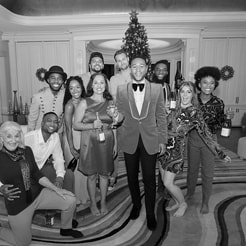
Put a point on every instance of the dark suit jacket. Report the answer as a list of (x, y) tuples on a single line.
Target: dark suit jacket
[(151, 123)]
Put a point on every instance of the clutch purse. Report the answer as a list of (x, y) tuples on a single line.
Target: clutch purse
[(72, 164)]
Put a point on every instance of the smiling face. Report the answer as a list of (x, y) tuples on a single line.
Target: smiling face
[(55, 81), (96, 64), (161, 71), (207, 85), (50, 123), (138, 69), (186, 95), (98, 84), (75, 89), (122, 61), (11, 139)]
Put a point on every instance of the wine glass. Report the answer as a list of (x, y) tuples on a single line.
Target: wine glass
[(112, 110)]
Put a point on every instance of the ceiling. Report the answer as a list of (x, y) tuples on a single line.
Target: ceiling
[(71, 16), (69, 7)]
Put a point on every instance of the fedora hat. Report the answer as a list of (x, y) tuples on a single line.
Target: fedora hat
[(55, 69)]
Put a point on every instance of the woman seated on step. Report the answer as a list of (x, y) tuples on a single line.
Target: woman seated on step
[(22, 184), (181, 121)]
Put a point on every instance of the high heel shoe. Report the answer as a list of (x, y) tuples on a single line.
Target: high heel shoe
[(111, 183)]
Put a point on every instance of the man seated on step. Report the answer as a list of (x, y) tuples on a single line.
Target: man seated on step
[(46, 147)]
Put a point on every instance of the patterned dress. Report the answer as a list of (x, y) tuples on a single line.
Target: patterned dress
[(179, 124)]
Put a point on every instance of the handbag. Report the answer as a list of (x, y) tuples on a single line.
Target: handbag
[(72, 164)]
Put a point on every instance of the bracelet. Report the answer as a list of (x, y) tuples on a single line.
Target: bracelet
[(115, 115)]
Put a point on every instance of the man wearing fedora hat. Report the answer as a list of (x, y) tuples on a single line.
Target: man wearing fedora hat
[(96, 65), (49, 99)]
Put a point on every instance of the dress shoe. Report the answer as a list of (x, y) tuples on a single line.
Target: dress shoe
[(75, 223), (111, 183), (135, 212), (151, 223), (71, 233)]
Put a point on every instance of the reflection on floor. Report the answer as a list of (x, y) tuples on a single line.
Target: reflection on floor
[(224, 225)]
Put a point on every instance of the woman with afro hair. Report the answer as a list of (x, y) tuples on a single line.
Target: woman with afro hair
[(206, 81)]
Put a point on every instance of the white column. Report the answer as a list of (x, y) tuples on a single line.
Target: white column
[(191, 53), (12, 64), (80, 57)]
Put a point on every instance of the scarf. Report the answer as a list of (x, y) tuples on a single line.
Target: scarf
[(19, 157)]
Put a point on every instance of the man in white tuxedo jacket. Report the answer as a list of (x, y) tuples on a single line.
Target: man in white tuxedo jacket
[(142, 135)]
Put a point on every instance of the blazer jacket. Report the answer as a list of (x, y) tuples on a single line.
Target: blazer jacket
[(42, 102), (151, 124)]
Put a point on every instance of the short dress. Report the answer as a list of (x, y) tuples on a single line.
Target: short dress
[(180, 122), (96, 157)]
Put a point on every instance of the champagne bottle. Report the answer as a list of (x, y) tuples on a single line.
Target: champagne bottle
[(226, 127), (100, 133), (10, 108), (26, 111), (178, 76), (21, 106), (173, 100)]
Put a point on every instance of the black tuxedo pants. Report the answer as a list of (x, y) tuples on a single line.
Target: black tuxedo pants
[(148, 165)]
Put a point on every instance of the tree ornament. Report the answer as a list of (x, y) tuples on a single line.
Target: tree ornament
[(133, 14)]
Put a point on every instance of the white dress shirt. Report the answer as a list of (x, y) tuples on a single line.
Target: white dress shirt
[(139, 96), (42, 150)]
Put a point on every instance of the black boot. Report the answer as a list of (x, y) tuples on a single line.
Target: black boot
[(135, 212)]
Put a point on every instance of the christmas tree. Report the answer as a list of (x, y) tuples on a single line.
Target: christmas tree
[(135, 41)]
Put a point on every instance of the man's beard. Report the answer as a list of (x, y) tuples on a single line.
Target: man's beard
[(55, 90), (96, 70), (159, 81), (124, 68)]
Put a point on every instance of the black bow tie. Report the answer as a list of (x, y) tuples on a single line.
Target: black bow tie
[(135, 86)]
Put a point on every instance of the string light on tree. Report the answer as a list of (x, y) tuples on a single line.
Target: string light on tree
[(135, 41)]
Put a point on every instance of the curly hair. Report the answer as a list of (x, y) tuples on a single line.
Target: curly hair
[(203, 72), (140, 56), (67, 95), (165, 62), (106, 93)]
